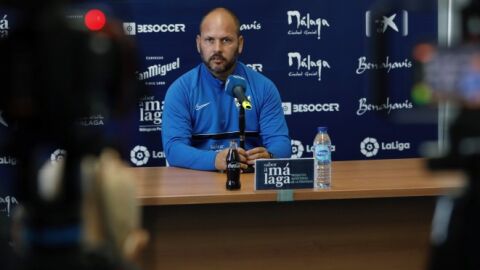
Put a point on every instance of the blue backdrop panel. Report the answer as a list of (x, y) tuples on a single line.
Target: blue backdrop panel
[(317, 53)]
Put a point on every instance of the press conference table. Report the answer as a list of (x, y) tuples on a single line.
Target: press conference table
[(377, 215)]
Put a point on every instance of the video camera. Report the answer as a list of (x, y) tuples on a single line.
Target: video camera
[(447, 86), (55, 71)]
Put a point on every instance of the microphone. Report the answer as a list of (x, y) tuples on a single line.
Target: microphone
[(235, 87)]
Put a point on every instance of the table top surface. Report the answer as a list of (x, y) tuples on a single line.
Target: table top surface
[(350, 180)]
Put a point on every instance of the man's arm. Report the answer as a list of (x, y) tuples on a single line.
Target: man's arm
[(273, 127), (177, 133)]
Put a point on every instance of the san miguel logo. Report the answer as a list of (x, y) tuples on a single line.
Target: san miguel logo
[(306, 66), (305, 24), (158, 70)]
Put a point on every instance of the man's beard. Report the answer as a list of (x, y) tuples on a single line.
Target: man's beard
[(220, 69)]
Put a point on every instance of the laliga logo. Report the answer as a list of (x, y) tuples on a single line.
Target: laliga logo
[(369, 147), (297, 149), (385, 23), (7, 160), (139, 155), (58, 155)]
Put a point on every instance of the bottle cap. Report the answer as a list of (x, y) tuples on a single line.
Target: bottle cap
[(322, 129)]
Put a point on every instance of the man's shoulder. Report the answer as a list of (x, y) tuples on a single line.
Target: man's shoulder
[(187, 81)]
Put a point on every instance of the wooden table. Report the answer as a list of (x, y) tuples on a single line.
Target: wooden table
[(376, 216)]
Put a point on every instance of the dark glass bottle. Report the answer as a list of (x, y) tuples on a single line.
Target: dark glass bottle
[(233, 167)]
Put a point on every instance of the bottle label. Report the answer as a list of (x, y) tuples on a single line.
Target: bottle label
[(322, 153), (233, 165)]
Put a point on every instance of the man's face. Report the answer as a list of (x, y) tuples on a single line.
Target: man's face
[(219, 44)]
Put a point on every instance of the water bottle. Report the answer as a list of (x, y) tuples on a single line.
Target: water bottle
[(323, 159), (233, 167)]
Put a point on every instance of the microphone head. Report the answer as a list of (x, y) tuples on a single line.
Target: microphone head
[(234, 81)]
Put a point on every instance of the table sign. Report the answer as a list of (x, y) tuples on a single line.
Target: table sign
[(287, 173)]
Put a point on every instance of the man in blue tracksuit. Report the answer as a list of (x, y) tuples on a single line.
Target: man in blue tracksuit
[(200, 118)]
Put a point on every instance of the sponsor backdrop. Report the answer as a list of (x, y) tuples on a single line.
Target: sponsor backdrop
[(316, 52)]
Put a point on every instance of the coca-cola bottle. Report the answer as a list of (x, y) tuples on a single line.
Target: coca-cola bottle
[(233, 167)]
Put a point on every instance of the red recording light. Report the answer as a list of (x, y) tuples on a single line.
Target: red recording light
[(95, 20)]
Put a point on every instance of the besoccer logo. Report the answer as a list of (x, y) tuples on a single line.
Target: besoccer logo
[(369, 147), (297, 149), (139, 155), (256, 67), (287, 108), (129, 28), (58, 155)]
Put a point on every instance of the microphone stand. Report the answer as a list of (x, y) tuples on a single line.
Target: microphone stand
[(241, 125)]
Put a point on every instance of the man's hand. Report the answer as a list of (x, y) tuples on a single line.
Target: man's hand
[(256, 153), (221, 159)]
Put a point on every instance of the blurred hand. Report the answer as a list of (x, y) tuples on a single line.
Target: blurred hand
[(221, 159), (256, 153)]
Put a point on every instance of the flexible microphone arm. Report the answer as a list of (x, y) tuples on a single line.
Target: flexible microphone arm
[(241, 126)]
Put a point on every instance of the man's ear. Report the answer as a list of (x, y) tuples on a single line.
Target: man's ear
[(198, 43), (240, 44), (135, 243)]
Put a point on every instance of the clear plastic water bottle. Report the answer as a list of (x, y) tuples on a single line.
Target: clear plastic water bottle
[(323, 159)]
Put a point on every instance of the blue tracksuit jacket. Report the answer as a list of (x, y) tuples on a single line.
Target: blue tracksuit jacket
[(199, 118)]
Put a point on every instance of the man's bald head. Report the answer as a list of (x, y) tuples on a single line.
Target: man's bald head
[(222, 13)]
